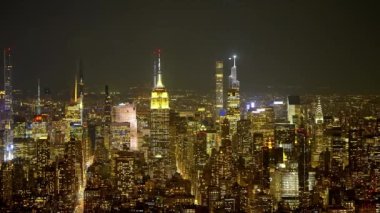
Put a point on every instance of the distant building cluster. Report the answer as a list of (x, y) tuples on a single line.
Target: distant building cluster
[(166, 150)]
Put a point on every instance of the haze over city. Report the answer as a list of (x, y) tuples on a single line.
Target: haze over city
[(310, 46)]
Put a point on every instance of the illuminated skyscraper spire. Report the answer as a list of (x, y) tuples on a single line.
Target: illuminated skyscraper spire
[(233, 99), (159, 83), (318, 112), (81, 89), (154, 68), (234, 83), (318, 145), (160, 98), (8, 121), (38, 110), (79, 86)]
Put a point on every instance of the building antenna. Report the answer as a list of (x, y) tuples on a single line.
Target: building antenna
[(154, 69), (159, 77)]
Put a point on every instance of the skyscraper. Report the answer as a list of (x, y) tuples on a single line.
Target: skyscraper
[(294, 109), (127, 113), (218, 87), (155, 59), (159, 129), (318, 112), (107, 119), (318, 145), (107, 107), (233, 99), (79, 95), (8, 101), (81, 90), (8, 70), (81, 79), (38, 104), (233, 82)]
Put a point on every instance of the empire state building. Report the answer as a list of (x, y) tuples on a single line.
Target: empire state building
[(159, 127)]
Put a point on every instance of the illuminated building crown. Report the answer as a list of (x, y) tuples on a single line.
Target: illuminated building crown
[(234, 83), (318, 112), (160, 97)]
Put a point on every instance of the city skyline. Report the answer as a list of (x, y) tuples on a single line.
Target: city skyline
[(292, 46), (188, 109)]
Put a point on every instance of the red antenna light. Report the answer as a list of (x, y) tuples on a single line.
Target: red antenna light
[(157, 52)]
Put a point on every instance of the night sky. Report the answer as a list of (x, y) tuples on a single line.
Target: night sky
[(308, 45)]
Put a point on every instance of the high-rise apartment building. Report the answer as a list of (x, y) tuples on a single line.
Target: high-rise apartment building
[(218, 87), (8, 70)]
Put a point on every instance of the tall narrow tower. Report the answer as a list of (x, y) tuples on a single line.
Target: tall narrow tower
[(75, 90), (38, 107), (81, 90), (8, 108), (318, 144), (159, 129), (8, 69), (218, 88), (233, 82), (81, 79), (107, 119), (155, 62), (107, 106), (233, 99)]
